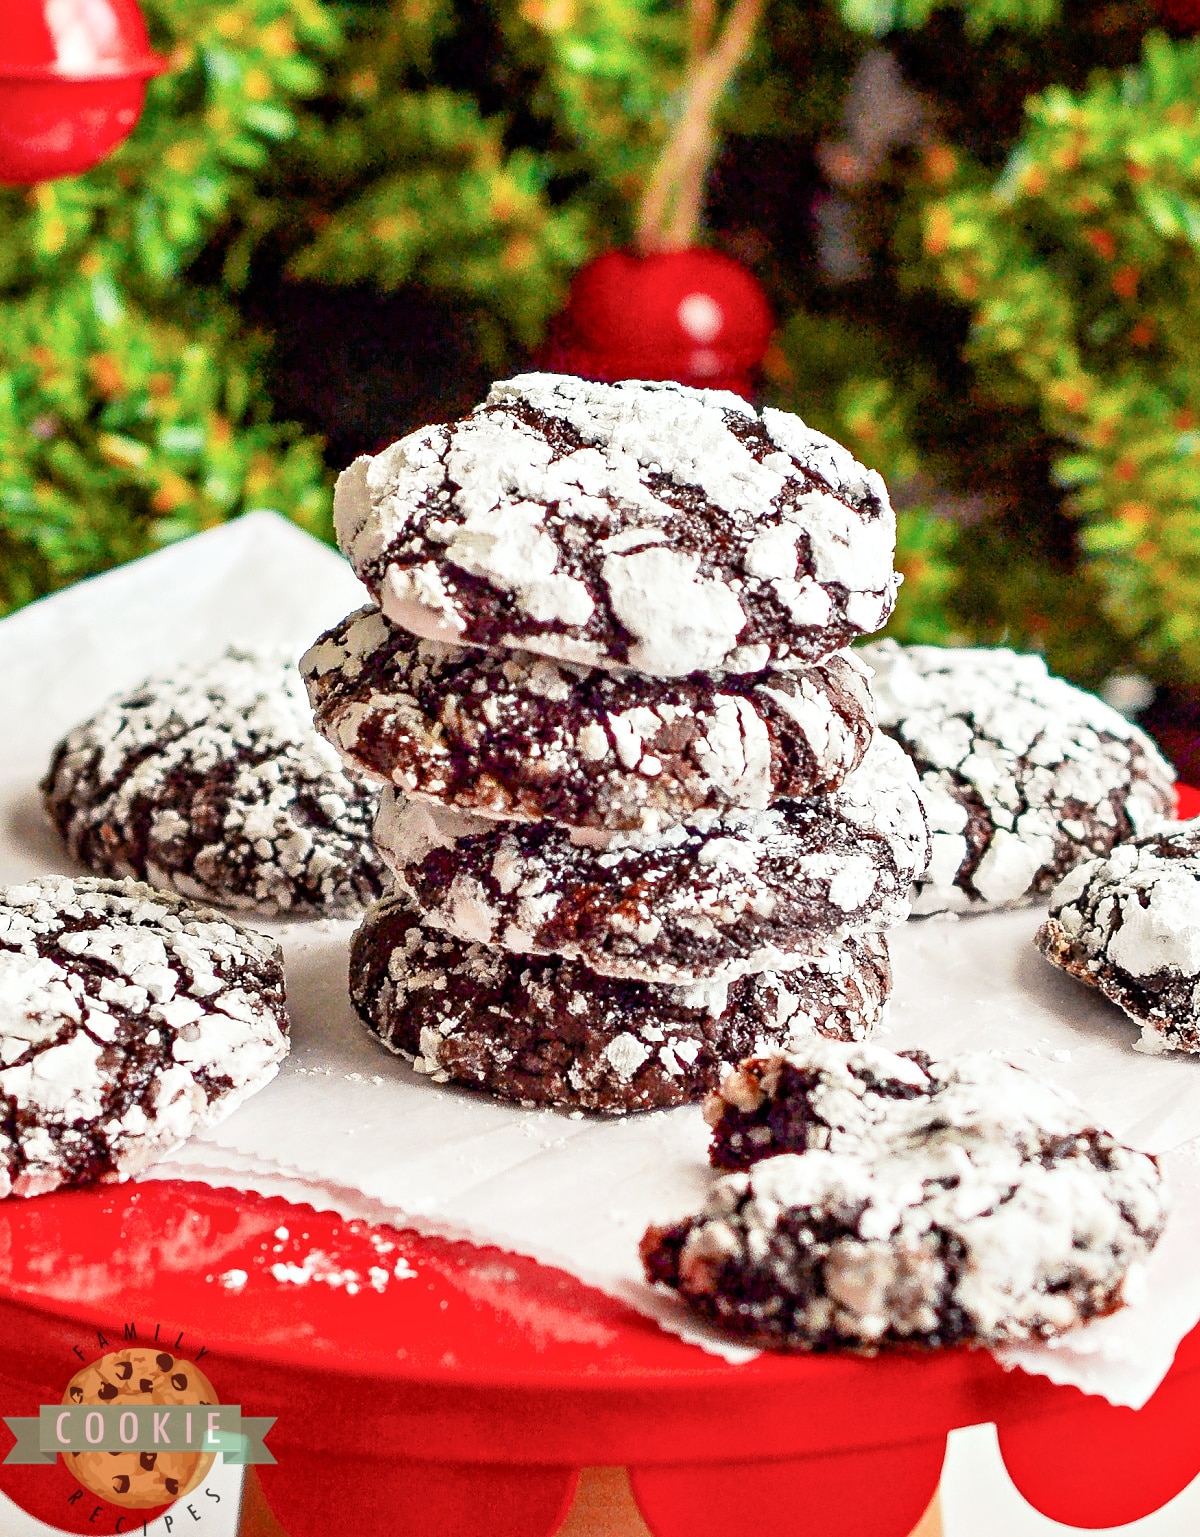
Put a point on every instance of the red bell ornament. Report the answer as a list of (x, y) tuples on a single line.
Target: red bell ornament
[(669, 308), (694, 315), (72, 82)]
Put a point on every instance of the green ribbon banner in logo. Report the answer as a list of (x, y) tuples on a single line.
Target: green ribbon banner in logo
[(139, 1428)]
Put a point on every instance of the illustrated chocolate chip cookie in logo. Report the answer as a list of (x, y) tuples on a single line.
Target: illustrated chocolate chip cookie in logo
[(140, 1480)]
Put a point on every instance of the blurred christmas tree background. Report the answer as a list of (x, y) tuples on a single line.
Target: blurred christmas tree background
[(978, 224)]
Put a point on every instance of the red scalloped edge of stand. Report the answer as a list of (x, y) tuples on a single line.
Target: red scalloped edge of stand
[(1092, 1464)]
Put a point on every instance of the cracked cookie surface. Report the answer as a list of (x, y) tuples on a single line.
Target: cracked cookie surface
[(547, 1031), (653, 526), (753, 892), (1023, 776), (129, 1019), (884, 1200), (511, 735), (212, 782), (1129, 926)]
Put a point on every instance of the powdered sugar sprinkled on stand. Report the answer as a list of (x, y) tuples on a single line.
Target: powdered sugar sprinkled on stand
[(302, 1264)]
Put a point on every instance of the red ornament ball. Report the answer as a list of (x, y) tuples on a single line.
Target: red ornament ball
[(72, 82), (695, 316)]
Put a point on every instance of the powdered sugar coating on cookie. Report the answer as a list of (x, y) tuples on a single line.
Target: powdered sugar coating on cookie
[(1022, 775), (547, 1031), (1129, 925), (919, 1203), (748, 893), (665, 529), (516, 736), (129, 1019), (213, 783)]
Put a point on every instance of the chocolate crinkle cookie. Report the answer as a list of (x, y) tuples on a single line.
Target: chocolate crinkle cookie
[(1129, 925), (513, 735), (1023, 776), (907, 1203), (213, 783), (129, 1019), (753, 892), (651, 526), (546, 1031)]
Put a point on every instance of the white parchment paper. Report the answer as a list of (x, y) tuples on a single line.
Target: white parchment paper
[(349, 1128)]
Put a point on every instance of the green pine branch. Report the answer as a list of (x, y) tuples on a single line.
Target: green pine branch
[(238, 71), (835, 376), (121, 430), (450, 208), (981, 17), (1081, 268)]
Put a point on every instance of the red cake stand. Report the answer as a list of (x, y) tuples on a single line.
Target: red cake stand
[(463, 1400), (437, 1389)]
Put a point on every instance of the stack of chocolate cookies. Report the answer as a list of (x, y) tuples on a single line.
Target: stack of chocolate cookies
[(639, 816)]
